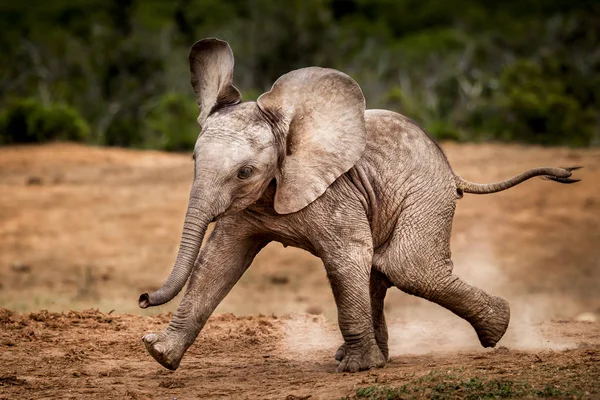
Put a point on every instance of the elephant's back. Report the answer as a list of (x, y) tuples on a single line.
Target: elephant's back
[(394, 138)]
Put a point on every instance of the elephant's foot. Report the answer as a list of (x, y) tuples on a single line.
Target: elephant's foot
[(493, 322), (360, 358), (383, 346), (164, 350)]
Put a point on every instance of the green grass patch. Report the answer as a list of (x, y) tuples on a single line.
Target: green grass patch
[(441, 385)]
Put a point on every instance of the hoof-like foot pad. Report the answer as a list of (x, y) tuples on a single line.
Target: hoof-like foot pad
[(493, 324), (341, 352), (354, 360), (160, 350)]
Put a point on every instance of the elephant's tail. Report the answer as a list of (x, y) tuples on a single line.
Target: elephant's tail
[(561, 175)]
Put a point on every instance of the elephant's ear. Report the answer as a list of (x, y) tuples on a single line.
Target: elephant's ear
[(211, 66), (319, 116)]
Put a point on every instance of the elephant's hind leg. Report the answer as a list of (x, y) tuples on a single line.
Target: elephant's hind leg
[(378, 287), (417, 261), (489, 315)]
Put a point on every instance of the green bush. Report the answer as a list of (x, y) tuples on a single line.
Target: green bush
[(124, 130), (534, 104), (171, 125), (28, 121)]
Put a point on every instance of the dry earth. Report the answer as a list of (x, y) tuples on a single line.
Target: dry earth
[(90, 355), (84, 227)]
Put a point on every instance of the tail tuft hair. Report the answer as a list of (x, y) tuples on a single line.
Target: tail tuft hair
[(566, 180)]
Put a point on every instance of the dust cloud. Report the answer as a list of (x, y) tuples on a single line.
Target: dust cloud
[(422, 327), (304, 337), (417, 326)]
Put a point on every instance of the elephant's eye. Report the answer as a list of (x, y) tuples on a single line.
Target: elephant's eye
[(245, 172)]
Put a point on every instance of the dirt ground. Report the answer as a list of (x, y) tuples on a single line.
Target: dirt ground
[(84, 227), (90, 355)]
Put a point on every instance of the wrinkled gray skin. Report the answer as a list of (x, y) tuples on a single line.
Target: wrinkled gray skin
[(366, 191)]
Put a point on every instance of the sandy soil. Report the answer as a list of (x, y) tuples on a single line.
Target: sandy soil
[(97, 356), (85, 227)]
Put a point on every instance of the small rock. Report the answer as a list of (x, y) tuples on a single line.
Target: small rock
[(34, 180), (20, 267), (314, 310), (587, 317)]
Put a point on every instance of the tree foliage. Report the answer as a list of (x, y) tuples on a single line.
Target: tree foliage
[(526, 70)]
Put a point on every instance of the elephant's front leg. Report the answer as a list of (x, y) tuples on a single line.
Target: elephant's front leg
[(378, 288), (349, 277), (226, 255)]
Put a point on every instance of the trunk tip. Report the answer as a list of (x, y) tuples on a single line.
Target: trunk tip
[(144, 301)]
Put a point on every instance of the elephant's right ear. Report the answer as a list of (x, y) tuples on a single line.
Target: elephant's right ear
[(211, 66)]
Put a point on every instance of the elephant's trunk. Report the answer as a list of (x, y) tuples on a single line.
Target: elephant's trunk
[(194, 228)]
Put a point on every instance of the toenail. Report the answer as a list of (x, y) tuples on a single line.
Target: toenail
[(159, 349), (150, 338)]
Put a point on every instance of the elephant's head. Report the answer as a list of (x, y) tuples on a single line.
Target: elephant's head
[(305, 132)]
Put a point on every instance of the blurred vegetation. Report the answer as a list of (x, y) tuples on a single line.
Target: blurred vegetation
[(114, 72), (27, 121)]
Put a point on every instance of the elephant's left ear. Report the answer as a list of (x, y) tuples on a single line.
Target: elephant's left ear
[(319, 116), (211, 67)]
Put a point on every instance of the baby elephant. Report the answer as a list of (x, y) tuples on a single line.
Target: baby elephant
[(306, 165)]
